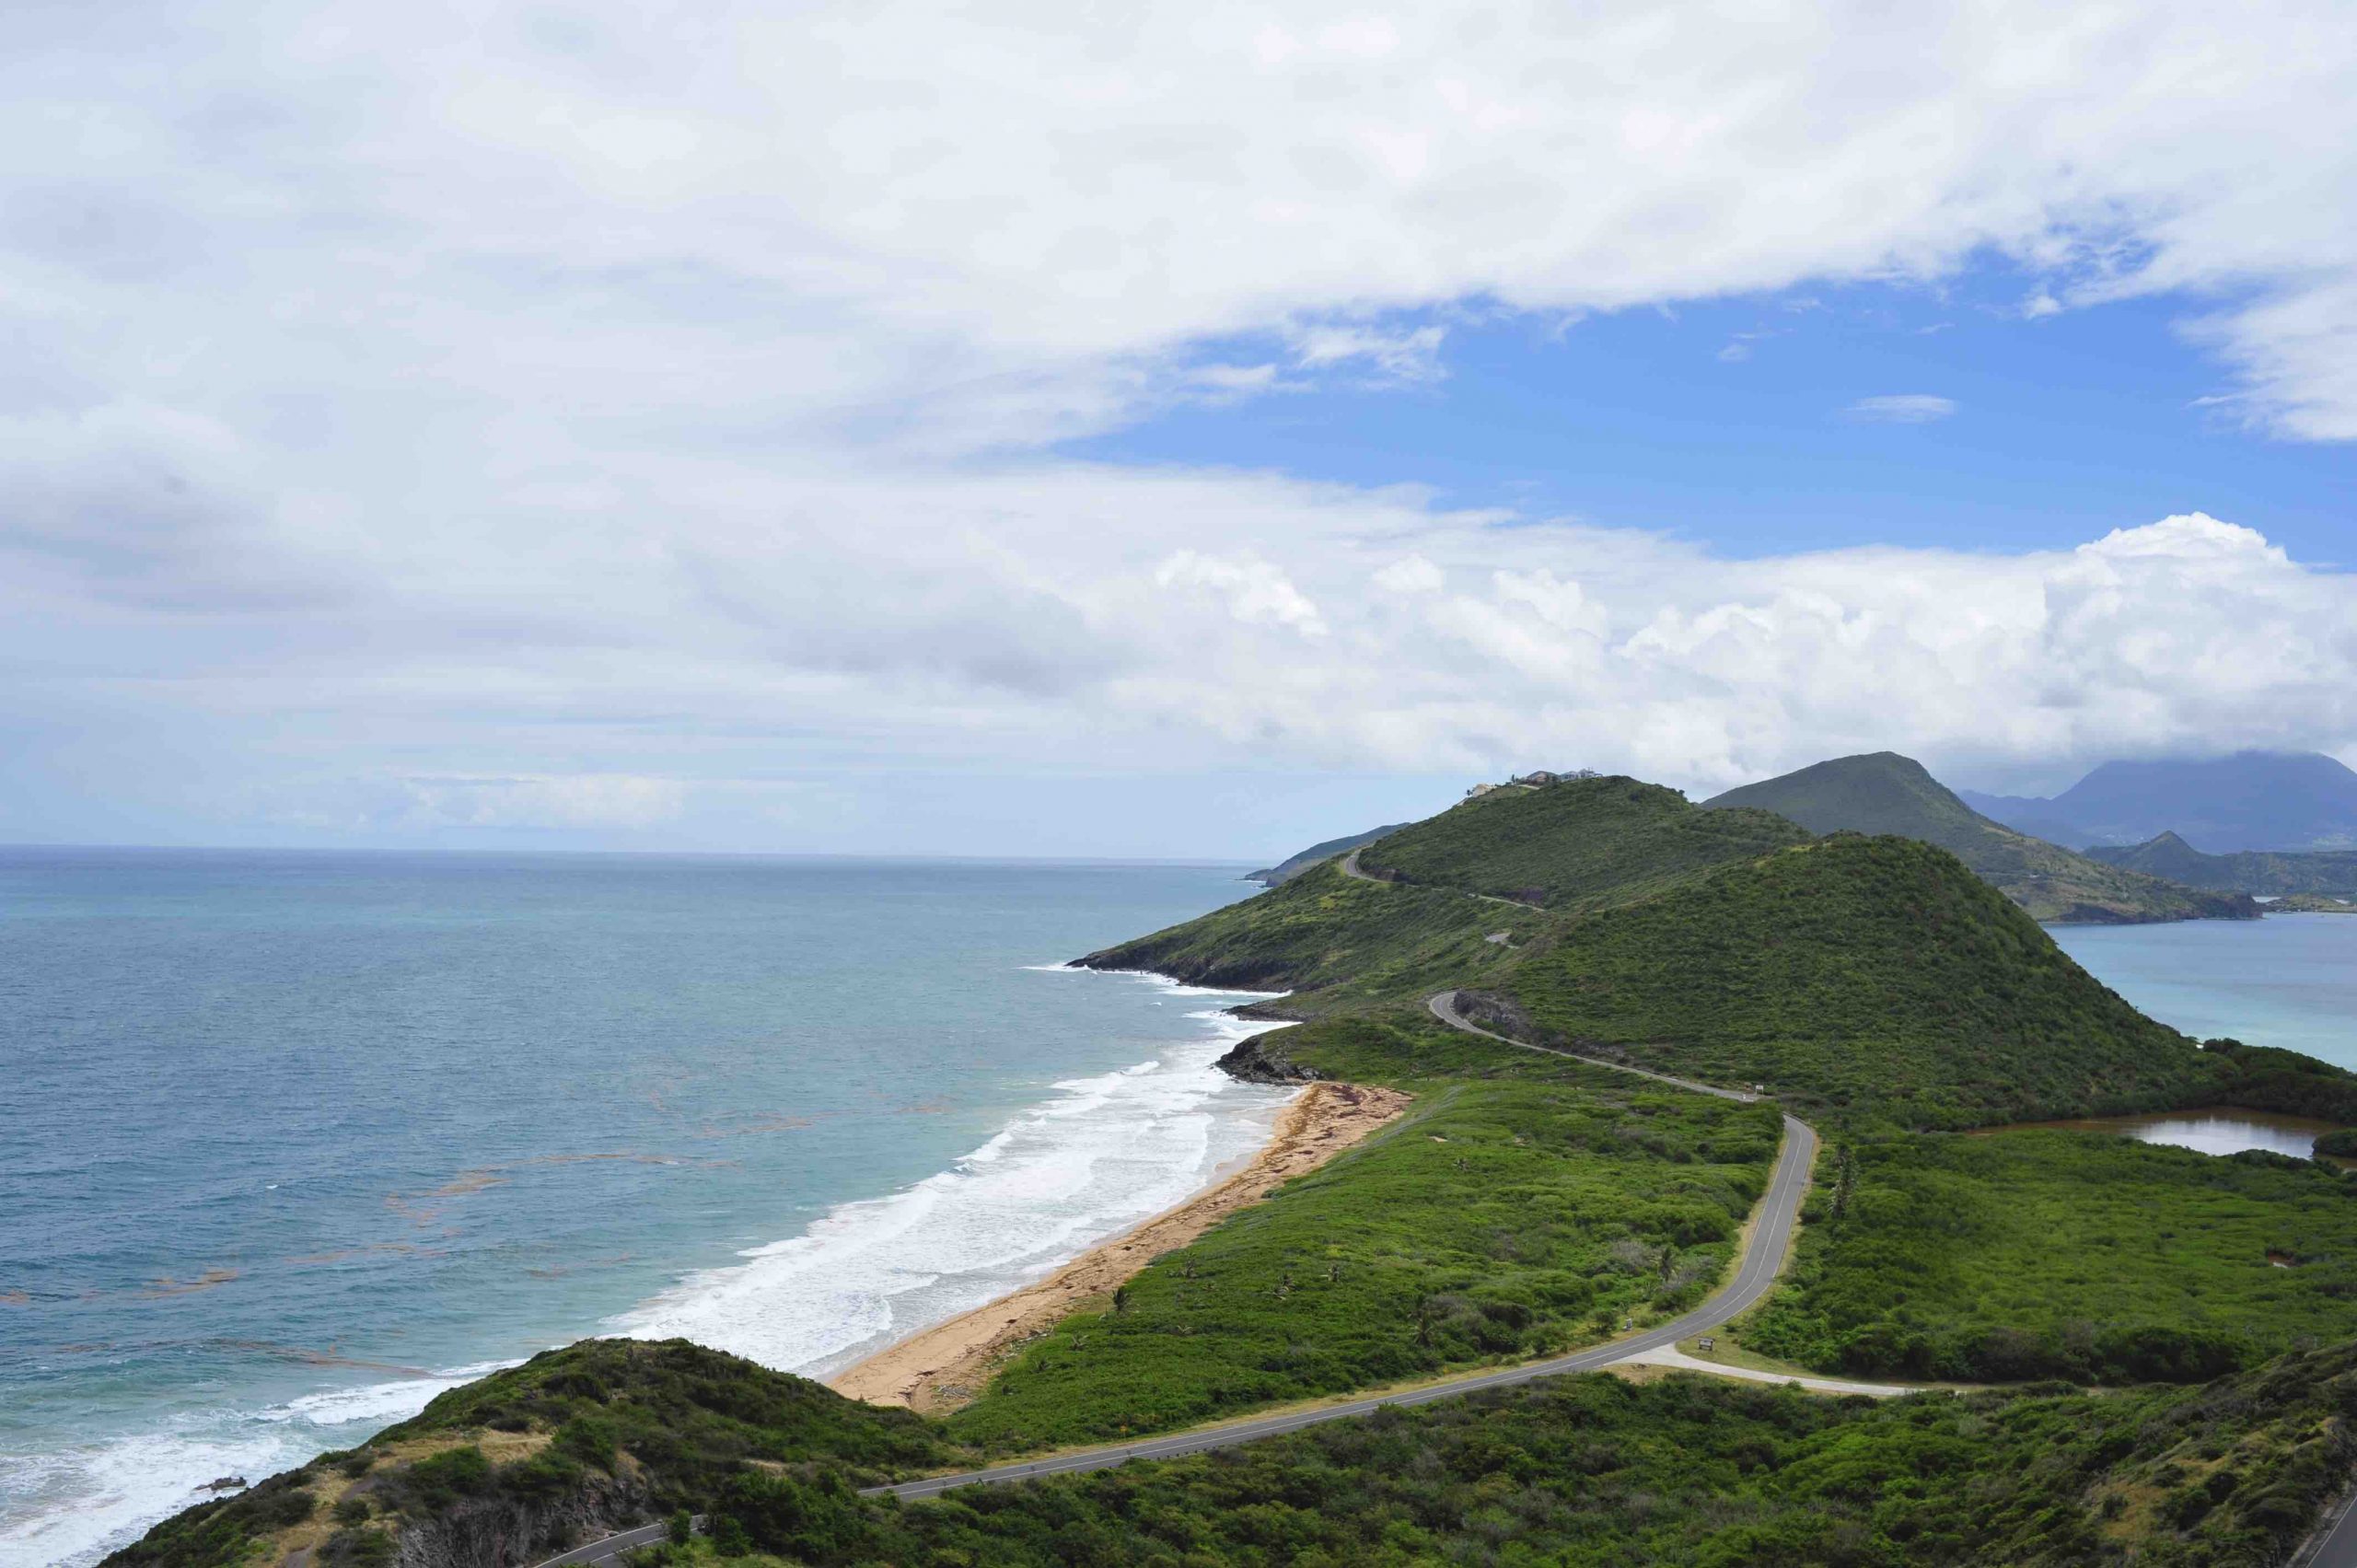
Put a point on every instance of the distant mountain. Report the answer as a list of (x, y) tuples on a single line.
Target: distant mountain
[(2247, 871), (2263, 800), (1287, 870), (1885, 793)]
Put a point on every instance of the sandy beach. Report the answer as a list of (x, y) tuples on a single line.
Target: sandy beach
[(941, 1367)]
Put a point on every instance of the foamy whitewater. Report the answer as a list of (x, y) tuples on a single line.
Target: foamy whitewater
[(1109, 1152), (357, 1130)]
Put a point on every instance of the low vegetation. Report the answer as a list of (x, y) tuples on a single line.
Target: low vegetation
[(2267, 1077), (1584, 844), (1496, 1221), (2083, 1256)]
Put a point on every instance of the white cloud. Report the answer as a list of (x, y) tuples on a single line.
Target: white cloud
[(1901, 408), (593, 397), (575, 801)]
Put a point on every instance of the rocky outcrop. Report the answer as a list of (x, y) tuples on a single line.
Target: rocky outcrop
[(1503, 1015), (511, 1531), (1261, 1060)]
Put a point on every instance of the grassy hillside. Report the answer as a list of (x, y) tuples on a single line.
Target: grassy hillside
[(1292, 866), (1495, 1222), (1875, 975), (2053, 1254), (604, 1433), (1579, 844), (1885, 793), (1337, 940), (2247, 871)]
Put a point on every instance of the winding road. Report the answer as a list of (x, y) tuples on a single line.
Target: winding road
[(1350, 867), (1763, 1261)]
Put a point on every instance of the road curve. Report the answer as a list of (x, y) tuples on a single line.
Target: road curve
[(2336, 1545), (1350, 867), (612, 1546), (1444, 1006), (1762, 1261)]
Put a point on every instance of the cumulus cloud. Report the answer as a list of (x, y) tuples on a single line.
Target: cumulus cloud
[(528, 397), (1901, 408)]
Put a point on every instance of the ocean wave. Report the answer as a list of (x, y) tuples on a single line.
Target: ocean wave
[(1108, 1152), (71, 1506)]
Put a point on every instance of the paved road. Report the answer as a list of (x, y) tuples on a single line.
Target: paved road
[(1444, 1006), (1763, 1261), (2336, 1546), (1350, 867), (611, 1547)]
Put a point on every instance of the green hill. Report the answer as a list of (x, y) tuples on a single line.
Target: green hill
[(2245, 871), (1331, 940), (513, 1467), (1885, 793), (1288, 869), (1875, 974), (1335, 940), (1578, 844)]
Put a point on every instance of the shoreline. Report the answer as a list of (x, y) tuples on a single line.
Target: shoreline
[(945, 1366)]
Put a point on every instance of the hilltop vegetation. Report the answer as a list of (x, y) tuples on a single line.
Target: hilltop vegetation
[(1579, 844), (2247, 871), (1885, 793), (1293, 866), (604, 1432), (2056, 1254), (1871, 975), (1495, 1222), (1334, 941)]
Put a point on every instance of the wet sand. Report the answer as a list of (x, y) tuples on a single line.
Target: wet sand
[(944, 1366)]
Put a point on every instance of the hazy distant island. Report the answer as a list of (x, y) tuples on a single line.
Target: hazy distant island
[(2252, 800), (2249, 871), (1627, 1044)]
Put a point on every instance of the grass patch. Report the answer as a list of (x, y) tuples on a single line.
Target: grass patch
[(2051, 1254), (1495, 1221)]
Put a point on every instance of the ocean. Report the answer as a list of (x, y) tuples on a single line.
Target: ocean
[(292, 1142), (2289, 980)]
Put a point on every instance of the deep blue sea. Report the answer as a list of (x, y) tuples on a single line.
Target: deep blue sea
[(290, 1141)]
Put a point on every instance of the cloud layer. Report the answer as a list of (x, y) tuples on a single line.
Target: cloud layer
[(417, 416)]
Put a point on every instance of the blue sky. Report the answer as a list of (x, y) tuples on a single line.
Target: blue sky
[(1728, 421), (1162, 431)]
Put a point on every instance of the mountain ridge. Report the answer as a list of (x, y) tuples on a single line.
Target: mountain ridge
[(1883, 791), (2251, 800)]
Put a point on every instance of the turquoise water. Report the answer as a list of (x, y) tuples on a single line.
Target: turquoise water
[(2289, 980), (292, 1142)]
